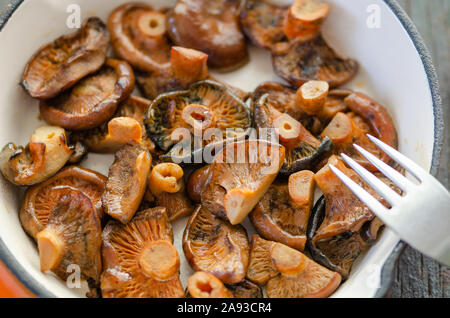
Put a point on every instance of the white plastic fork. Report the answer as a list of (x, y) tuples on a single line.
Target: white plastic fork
[(421, 216)]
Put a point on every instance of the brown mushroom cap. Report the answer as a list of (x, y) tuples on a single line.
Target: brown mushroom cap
[(206, 285), (296, 66), (138, 35), (139, 260), (239, 176), (214, 246), (72, 236), (40, 199), (127, 182), (46, 153), (246, 289), (127, 124), (263, 23), (93, 100), (282, 217), (210, 26), (59, 65)]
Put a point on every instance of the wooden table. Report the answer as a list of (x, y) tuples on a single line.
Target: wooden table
[(415, 274)]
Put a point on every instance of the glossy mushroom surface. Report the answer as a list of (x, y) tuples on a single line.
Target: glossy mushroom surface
[(303, 61), (282, 214), (205, 285), (127, 182), (93, 100), (60, 64), (139, 259), (139, 36), (239, 177), (210, 26), (127, 124), (39, 199), (215, 246), (207, 105), (72, 236), (303, 150), (46, 153)]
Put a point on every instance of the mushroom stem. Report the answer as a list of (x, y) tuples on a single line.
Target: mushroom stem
[(124, 129), (189, 65), (301, 187), (288, 130), (51, 249), (288, 261), (238, 203), (340, 129), (153, 23), (159, 260), (312, 96), (205, 285), (305, 18), (166, 177), (198, 117)]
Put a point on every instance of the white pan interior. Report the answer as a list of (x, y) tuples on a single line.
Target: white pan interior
[(391, 72)]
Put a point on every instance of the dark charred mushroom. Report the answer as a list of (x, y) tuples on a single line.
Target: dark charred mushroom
[(59, 65), (210, 26), (303, 150), (93, 100), (214, 246), (246, 289), (206, 285), (72, 236), (167, 186), (282, 214), (127, 182), (303, 61), (206, 105), (46, 153), (40, 199), (80, 152), (126, 125), (139, 259), (288, 273), (138, 35), (239, 177), (263, 23), (367, 117)]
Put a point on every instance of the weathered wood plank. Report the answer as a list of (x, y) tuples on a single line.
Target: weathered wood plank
[(416, 275)]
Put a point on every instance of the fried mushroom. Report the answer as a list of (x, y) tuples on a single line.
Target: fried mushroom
[(93, 100), (245, 289), (282, 214), (210, 26), (207, 104), (72, 236), (127, 182), (304, 61), (287, 273), (139, 259), (126, 125), (139, 36), (46, 153), (60, 64), (303, 150), (304, 19), (263, 23), (206, 285), (40, 199), (166, 183), (196, 183), (215, 246), (239, 177)]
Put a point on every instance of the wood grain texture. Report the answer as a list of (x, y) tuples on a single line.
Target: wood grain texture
[(415, 274)]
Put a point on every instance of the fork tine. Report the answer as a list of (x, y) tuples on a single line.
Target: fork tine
[(379, 186), (396, 177), (374, 205), (402, 160)]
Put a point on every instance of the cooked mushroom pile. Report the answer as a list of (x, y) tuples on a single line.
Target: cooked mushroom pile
[(281, 139)]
